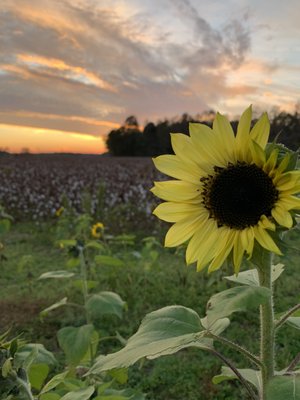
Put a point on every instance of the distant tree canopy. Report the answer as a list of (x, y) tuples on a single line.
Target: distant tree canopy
[(155, 139)]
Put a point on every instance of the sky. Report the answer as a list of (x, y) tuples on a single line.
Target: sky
[(73, 70)]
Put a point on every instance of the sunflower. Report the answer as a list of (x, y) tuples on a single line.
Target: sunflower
[(229, 192), (97, 230), (59, 211)]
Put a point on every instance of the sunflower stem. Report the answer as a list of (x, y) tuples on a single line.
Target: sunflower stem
[(267, 338), (251, 357), (229, 364), (84, 280), (285, 316)]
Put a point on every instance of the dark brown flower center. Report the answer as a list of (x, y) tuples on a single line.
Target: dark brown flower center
[(237, 196)]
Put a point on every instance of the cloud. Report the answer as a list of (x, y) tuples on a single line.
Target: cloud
[(66, 64)]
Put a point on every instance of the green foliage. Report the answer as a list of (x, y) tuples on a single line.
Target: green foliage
[(284, 387), (162, 332), (251, 375), (147, 282), (4, 226), (102, 303), (108, 260), (240, 298), (37, 375), (250, 277), (75, 342), (81, 394), (62, 274)]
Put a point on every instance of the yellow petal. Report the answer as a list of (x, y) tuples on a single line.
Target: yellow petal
[(290, 202), (242, 136), (282, 217), (238, 252), (258, 154), (224, 131), (217, 240), (265, 240), (294, 190), (271, 162), (182, 231), (287, 181), (250, 241), (183, 148), (173, 166), (202, 241), (283, 164), (226, 247), (261, 130), (206, 143), (266, 223), (177, 191), (174, 212)]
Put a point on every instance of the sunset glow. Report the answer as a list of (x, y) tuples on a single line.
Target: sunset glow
[(48, 141), (71, 71)]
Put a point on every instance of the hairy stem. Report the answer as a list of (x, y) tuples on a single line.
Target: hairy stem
[(247, 386), (285, 316), (267, 339), (26, 386), (293, 364), (84, 280), (238, 348)]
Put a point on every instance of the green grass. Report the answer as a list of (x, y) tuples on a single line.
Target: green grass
[(145, 286)]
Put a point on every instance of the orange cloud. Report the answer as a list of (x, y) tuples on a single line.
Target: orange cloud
[(86, 120), (55, 122), (72, 72), (45, 16)]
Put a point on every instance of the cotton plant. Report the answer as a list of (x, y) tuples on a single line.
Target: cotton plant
[(232, 196)]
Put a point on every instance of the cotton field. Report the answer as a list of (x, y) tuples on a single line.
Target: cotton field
[(34, 187)]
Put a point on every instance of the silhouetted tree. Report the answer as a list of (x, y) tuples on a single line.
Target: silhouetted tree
[(127, 140), (155, 139)]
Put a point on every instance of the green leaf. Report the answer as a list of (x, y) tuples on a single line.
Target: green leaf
[(68, 243), (216, 327), (284, 387), (294, 322), (75, 342), (71, 384), (4, 226), (62, 274), (82, 394), (250, 375), (125, 394), (94, 245), (92, 349), (7, 367), (239, 298), (277, 270), (37, 375), (55, 381), (73, 263), (108, 260), (78, 283), (101, 388), (58, 304), (13, 347), (50, 396), (250, 277), (43, 356), (161, 332), (105, 303), (120, 374), (30, 359)]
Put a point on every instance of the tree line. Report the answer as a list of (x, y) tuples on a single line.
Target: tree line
[(154, 139)]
